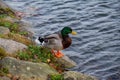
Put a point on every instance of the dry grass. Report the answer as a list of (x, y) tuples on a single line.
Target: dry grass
[(18, 38)]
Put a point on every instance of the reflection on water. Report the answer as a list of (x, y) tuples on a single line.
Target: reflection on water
[(96, 48)]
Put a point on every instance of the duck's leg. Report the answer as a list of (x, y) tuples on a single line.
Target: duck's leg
[(53, 52), (59, 54)]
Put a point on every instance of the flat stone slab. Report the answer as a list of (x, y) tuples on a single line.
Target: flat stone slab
[(67, 62), (4, 30), (11, 46), (73, 75), (27, 70)]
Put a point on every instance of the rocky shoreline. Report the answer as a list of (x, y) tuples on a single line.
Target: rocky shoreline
[(19, 61)]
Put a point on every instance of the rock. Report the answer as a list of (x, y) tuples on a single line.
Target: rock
[(3, 5), (4, 78), (66, 61), (26, 27), (25, 70), (7, 9), (11, 46), (4, 30), (72, 75), (8, 18)]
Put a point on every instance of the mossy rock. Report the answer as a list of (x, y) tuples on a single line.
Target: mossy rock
[(27, 70), (5, 9), (13, 27)]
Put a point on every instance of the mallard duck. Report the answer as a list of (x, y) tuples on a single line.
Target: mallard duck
[(57, 41)]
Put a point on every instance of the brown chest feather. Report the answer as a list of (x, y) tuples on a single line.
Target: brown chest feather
[(66, 42)]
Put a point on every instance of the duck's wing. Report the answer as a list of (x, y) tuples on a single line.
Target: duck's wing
[(52, 36), (54, 41)]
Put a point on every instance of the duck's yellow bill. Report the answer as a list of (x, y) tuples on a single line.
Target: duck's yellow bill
[(74, 33)]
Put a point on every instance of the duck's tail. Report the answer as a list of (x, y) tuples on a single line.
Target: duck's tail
[(39, 40)]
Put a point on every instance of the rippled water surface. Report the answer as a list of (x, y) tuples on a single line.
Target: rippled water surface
[(96, 48)]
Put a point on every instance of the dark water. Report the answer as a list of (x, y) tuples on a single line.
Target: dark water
[(96, 48)]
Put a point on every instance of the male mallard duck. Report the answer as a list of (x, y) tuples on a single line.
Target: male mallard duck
[(58, 41)]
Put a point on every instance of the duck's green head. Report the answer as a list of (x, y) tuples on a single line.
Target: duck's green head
[(67, 30)]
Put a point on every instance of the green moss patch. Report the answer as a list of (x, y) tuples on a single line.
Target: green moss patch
[(2, 53), (56, 77), (3, 16), (7, 11), (3, 70), (36, 54), (13, 27)]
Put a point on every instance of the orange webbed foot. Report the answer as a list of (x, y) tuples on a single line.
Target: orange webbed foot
[(59, 54)]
